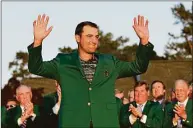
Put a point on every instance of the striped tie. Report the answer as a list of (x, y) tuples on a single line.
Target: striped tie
[(139, 108), (179, 123), (23, 125)]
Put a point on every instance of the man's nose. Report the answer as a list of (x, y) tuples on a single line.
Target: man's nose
[(94, 40)]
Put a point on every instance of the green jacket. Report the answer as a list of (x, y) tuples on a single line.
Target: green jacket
[(188, 122), (152, 110), (15, 113), (168, 114), (82, 102), (3, 116)]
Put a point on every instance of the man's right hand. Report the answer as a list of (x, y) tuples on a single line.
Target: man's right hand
[(40, 29)]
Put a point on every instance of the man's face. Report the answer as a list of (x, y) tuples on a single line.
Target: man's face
[(141, 94), (157, 90), (89, 39), (11, 104), (181, 91), (24, 95)]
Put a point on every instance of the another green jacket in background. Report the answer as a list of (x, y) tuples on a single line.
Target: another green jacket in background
[(3, 116), (189, 111), (152, 110), (83, 102), (15, 113)]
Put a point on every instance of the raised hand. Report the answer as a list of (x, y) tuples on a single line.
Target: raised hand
[(141, 28), (134, 111), (40, 29), (180, 111), (28, 111)]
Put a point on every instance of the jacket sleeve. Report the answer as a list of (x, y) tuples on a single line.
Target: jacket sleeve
[(168, 115), (127, 69), (37, 66), (124, 117), (188, 122)]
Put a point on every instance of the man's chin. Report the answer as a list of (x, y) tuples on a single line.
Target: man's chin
[(91, 51)]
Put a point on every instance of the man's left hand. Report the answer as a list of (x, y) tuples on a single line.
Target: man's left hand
[(180, 110), (141, 28)]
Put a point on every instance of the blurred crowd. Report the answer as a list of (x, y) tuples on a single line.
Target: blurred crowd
[(145, 106)]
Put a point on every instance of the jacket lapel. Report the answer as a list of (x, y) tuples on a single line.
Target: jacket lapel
[(75, 56), (146, 108), (189, 106), (103, 70), (18, 112)]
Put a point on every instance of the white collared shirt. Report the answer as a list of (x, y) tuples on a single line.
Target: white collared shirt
[(160, 101), (184, 103), (143, 119), (143, 105)]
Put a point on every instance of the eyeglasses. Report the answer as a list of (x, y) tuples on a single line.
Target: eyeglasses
[(10, 106)]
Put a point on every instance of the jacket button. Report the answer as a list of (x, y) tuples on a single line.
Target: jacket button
[(88, 103), (90, 89)]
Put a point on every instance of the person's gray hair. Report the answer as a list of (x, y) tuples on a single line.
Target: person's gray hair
[(22, 85), (181, 81)]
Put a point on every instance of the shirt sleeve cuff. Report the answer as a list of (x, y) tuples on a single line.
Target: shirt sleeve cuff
[(56, 109), (33, 116), (174, 123), (143, 119), (132, 119), (19, 121)]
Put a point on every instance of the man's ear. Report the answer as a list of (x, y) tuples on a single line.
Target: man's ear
[(17, 98), (148, 93), (77, 37)]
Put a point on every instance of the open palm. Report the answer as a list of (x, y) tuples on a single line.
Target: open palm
[(40, 28), (141, 28)]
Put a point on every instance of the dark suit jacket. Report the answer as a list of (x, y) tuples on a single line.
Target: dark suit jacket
[(15, 113), (3, 116), (50, 119), (152, 110), (79, 104)]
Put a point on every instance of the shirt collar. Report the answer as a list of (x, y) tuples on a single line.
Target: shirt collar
[(160, 101), (143, 105), (22, 108), (184, 103)]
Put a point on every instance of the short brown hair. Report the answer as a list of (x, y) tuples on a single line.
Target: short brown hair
[(158, 81), (141, 83)]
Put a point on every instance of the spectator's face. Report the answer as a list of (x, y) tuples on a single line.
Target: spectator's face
[(141, 94), (11, 104), (131, 96), (24, 95), (89, 40), (181, 91), (190, 88), (157, 90)]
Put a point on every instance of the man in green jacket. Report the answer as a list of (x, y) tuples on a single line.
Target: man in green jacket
[(24, 115), (182, 109), (141, 113), (87, 78), (158, 89)]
